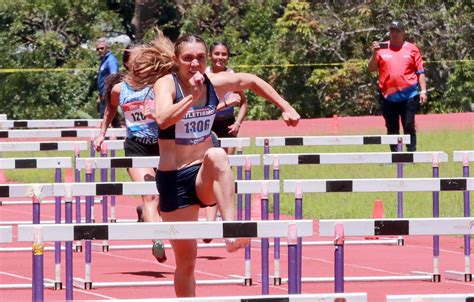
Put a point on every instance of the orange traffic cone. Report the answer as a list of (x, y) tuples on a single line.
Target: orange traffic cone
[(377, 213)]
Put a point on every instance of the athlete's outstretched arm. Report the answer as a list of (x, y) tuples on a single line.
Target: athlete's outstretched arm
[(226, 81)]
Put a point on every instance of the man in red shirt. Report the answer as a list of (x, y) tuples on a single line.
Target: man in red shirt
[(402, 81)]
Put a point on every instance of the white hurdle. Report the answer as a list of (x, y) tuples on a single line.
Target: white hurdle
[(299, 187), (43, 146), (3, 116), (465, 157), (61, 133), (399, 226), (147, 162), (35, 163), (70, 123), (276, 160), (333, 140), (125, 188), (431, 298), (352, 297), (166, 230)]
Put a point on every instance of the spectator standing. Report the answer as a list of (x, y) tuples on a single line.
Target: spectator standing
[(402, 82), (108, 65)]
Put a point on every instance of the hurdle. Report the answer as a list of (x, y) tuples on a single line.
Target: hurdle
[(352, 297), (56, 163), (43, 146), (3, 116), (105, 163), (267, 142), (371, 227), (465, 157), (298, 187), (276, 160), (69, 123), (431, 298), (60, 133), (125, 188), (166, 230)]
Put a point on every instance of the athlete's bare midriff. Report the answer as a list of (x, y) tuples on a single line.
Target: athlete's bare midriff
[(176, 157)]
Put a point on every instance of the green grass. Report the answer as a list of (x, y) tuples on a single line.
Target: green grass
[(335, 205)]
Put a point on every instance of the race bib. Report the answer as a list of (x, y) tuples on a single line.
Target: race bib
[(133, 112), (195, 127)]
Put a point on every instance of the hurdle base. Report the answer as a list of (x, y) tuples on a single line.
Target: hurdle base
[(81, 283), (458, 276), (276, 280), (58, 285), (434, 277), (113, 220), (78, 248), (100, 247), (400, 241)]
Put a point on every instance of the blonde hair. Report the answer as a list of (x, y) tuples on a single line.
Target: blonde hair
[(151, 62)]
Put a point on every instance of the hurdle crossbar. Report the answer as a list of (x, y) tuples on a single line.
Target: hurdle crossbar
[(399, 226), (354, 158), (431, 298), (379, 185), (349, 297), (460, 156), (119, 188), (35, 163), (151, 161), (93, 123), (43, 146), (332, 140), (166, 230), (60, 133)]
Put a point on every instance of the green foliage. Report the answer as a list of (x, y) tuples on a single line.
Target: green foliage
[(313, 52)]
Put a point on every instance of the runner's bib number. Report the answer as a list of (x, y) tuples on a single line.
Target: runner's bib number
[(195, 127)]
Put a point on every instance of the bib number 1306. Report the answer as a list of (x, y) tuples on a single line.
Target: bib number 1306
[(197, 126)]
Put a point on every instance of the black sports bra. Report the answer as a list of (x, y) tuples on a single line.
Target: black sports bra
[(195, 126)]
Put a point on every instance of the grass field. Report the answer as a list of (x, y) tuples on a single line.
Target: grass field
[(334, 205)]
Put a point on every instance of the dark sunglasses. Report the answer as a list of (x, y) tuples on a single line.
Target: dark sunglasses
[(100, 48)]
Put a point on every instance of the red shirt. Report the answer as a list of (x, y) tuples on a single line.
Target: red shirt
[(398, 71)]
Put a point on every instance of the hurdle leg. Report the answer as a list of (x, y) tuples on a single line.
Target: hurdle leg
[(239, 196), (92, 180), (113, 217), (69, 259), (299, 246), (36, 294), (436, 273), (103, 178), (276, 216), (248, 214), (339, 259), (265, 245), (38, 268), (57, 245), (77, 178), (400, 175), (292, 255)]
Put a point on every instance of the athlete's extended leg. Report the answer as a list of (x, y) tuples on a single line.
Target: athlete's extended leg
[(215, 182)]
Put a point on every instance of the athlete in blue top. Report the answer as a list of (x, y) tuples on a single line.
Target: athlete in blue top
[(191, 172), (136, 98)]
